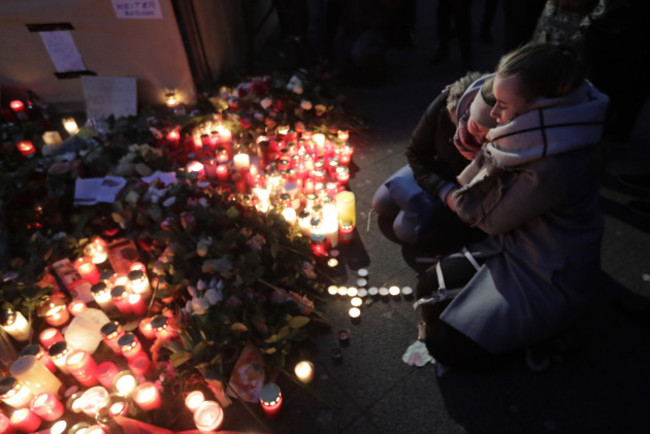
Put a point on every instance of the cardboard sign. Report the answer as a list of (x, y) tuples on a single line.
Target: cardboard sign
[(107, 96)]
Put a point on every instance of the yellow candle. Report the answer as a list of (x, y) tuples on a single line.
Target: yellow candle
[(52, 138), (345, 207), (14, 323), (35, 375), (70, 125), (304, 371), (15, 393), (241, 161)]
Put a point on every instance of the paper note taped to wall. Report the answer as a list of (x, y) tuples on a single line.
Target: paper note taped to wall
[(137, 9), (107, 96), (62, 50)]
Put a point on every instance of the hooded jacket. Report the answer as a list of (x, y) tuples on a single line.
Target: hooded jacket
[(534, 189)]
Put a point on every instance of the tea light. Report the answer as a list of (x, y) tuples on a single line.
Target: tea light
[(14, 393), (355, 314), (194, 399), (352, 291), (146, 329), (125, 383), (356, 301), (55, 311), (383, 291), (50, 336), (59, 352), (119, 406), (363, 292), (111, 333), (93, 399), (106, 373), (102, 295), (362, 272), (394, 291), (137, 304), (129, 345), (40, 354), (76, 307), (120, 298), (30, 372), (87, 269), (147, 396), (332, 289), (161, 327), (373, 291), (74, 402), (407, 292), (208, 416), (58, 427), (14, 323), (70, 125), (271, 400), (47, 406), (26, 148), (82, 367), (361, 282), (96, 250), (25, 420), (342, 291), (304, 370), (332, 262)]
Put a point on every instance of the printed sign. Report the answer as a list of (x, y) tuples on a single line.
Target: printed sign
[(137, 9), (62, 50), (107, 96)]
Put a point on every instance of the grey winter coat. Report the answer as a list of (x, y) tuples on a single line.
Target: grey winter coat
[(534, 190)]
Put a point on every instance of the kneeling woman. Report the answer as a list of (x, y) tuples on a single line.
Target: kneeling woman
[(533, 189)]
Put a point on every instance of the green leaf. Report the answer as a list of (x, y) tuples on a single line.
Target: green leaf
[(180, 357), (298, 321), (174, 347), (232, 213)]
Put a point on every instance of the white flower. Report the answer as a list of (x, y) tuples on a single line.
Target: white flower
[(213, 296), (305, 105), (188, 306), (200, 305)]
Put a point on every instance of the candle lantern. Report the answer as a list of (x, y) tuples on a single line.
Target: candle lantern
[(50, 336), (76, 307), (140, 365), (70, 125), (137, 304), (55, 311), (25, 420), (161, 327), (15, 324), (93, 399), (47, 406), (346, 232), (102, 295), (345, 206), (29, 371), (139, 283), (147, 396), (125, 383), (222, 172), (59, 352), (208, 416), (120, 298), (96, 250), (271, 399), (87, 269), (14, 393), (26, 148), (111, 333), (40, 354), (106, 372), (146, 330), (304, 370), (130, 346), (82, 367), (194, 399), (18, 107), (173, 137)]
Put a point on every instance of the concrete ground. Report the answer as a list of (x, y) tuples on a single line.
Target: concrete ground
[(601, 387)]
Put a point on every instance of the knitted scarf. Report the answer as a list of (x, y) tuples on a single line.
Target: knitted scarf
[(464, 142)]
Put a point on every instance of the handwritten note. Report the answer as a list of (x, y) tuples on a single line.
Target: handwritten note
[(62, 50), (137, 9), (107, 96)]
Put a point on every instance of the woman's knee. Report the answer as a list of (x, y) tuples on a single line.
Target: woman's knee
[(383, 204)]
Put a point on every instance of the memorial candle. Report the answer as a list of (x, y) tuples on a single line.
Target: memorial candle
[(129, 345), (271, 400), (137, 304), (15, 324), (102, 295), (58, 352), (106, 373), (82, 367), (96, 250), (55, 311), (93, 399), (111, 333), (14, 393), (173, 137), (26, 148), (241, 161), (18, 107), (125, 384), (120, 298), (76, 307), (50, 336), (25, 420), (52, 138), (87, 269), (161, 327), (40, 354), (70, 125), (5, 425), (194, 399), (222, 172), (47, 406), (140, 365), (345, 206), (147, 396), (304, 370), (146, 329), (208, 416), (29, 371), (139, 283)]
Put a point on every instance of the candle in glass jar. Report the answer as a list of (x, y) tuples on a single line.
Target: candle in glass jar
[(50, 336), (26, 148), (208, 416), (14, 393), (137, 304), (55, 311), (15, 324), (161, 327), (93, 399), (194, 399), (96, 250), (76, 307), (140, 365), (345, 206), (129, 345), (58, 352), (47, 406), (106, 373), (18, 107), (139, 283), (146, 329), (29, 371), (119, 406), (70, 125), (125, 383), (222, 172), (52, 138), (25, 420), (102, 295), (87, 269), (147, 396), (304, 370), (173, 137), (111, 333), (82, 367), (271, 400), (241, 161), (346, 232), (120, 298), (40, 354)]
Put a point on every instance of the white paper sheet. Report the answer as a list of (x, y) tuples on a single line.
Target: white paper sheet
[(89, 191), (62, 50), (107, 96), (137, 9)]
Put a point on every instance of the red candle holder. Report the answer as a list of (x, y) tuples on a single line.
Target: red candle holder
[(173, 137), (145, 328), (223, 173), (51, 336), (271, 400), (82, 367), (47, 407), (87, 269), (346, 232), (26, 148), (137, 303), (130, 346), (120, 298), (25, 420), (106, 373), (40, 354), (147, 396), (111, 333)]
